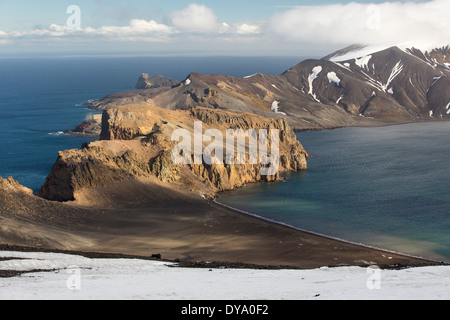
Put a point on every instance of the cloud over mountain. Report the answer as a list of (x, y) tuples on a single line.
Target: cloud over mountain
[(389, 22)]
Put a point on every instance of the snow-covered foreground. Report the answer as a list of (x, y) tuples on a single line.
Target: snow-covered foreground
[(77, 277)]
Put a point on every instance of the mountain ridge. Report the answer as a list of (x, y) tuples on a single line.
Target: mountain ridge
[(388, 86)]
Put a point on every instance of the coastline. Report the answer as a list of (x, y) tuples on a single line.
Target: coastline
[(329, 237), (193, 232)]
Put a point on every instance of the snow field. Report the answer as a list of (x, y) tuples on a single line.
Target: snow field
[(77, 277)]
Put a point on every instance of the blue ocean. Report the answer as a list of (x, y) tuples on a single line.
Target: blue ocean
[(386, 187)]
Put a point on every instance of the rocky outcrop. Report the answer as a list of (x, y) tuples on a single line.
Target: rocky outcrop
[(10, 185), (146, 81), (136, 143), (19, 201), (91, 127)]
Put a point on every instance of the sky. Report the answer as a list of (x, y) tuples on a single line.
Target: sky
[(211, 27)]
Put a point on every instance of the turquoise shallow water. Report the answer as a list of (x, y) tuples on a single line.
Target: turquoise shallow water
[(386, 187)]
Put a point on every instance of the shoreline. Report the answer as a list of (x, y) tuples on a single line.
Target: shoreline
[(376, 124), (200, 234), (327, 236)]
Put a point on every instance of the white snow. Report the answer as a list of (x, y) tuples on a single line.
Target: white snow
[(313, 76), (374, 82), (394, 73), (363, 62), (79, 278), (187, 82), (274, 86), (390, 91), (447, 65), (339, 100), (435, 79), (362, 52), (431, 113), (250, 76), (332, 77), (275, 108), (345, 66), (448, 108)]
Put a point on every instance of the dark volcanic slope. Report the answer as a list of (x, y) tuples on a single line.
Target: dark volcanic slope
[(392, 85)]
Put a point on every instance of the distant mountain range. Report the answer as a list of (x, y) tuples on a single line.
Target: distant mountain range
[(353, 86)]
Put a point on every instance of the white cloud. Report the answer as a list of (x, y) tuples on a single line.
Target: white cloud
[(425, 23), (196, 18), (247, 29), (306, 28), (136, 30)]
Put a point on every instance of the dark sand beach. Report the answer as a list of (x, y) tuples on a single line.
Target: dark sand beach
[(182, 228)]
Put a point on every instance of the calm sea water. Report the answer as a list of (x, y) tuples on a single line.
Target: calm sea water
[(386, 187), (39, 98)]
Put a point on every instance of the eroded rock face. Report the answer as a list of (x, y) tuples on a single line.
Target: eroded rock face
[(136, 143), (10, 185)]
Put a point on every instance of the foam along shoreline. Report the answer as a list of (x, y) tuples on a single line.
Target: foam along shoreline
[(327, 236)]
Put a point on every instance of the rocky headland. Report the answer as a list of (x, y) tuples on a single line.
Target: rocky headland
[(135, 142)]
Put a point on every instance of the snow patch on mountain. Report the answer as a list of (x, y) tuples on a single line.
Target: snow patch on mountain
[(358, 53), (363, 62), (313, 76), (332, 77), (398, 68), (435, 79), (345, 65), (276, 108), (251, 76)]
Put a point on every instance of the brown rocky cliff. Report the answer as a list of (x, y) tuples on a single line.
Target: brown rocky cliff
[(136, 143)]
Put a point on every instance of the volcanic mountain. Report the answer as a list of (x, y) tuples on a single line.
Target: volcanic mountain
[(353, 86)]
